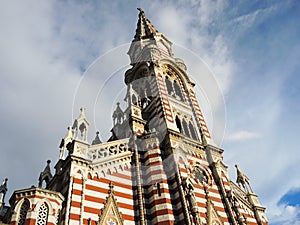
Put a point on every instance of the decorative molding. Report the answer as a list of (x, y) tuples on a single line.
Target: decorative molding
[(110, 214)]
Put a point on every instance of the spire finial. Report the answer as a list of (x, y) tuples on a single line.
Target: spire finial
[(111, 188), (82, 111)]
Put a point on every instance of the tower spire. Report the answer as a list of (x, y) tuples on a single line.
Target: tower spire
[(148, 44), (144, 30)]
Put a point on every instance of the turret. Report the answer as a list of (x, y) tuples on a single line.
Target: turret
[(45, 175)]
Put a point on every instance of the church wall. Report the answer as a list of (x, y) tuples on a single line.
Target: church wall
[(87, 204)]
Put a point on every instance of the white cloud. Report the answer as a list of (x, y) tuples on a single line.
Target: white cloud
[(286, 215), (242, 136)]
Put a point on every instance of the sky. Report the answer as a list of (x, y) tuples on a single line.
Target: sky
[(57, 56)]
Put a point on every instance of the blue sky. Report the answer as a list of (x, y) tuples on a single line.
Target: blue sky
[(252, 47)]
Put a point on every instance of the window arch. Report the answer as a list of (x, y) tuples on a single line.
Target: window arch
[(23, 211), (134, 100), (42, 217), (177, 91), (192, 131), (185, 128), (169, 86)]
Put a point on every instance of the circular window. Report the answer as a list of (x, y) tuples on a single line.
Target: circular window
[(200, 175)]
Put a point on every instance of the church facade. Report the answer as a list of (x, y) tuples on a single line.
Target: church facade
[(159, 167)]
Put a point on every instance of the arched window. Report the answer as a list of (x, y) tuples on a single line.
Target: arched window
[(169, 87), (192, 131), (185, 128), (42, 218), (134, 100), (23, 211), (178, 124), (177, 91)]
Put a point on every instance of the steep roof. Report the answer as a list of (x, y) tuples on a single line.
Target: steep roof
[(144, 30)]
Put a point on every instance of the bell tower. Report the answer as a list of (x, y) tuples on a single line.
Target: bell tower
[(169, 134), (158, 80), (178, 172)]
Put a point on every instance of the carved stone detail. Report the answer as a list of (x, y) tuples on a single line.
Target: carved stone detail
[(110, 213)]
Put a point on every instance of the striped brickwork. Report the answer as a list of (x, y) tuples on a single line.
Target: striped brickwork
[(89, 193), (156, 192), (199, 115), (213, 190), (164, 98)]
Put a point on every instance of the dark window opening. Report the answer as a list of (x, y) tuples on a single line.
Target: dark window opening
[(177, 91), (158, 189), (178, 124), (169, 86), (185, 128), (192, 130), (134, 100)]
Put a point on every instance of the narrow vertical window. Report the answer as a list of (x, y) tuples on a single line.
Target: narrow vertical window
[(158, 189), (42, 218), (185, 128), (134, 100), (192, 130), (23, 212), (178, 92), (169, 86), (178, 124)]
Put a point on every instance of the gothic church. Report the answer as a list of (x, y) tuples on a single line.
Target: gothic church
[(159, 167)]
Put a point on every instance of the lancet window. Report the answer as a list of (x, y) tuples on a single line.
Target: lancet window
[(173, 86), (142, 88), (43, 214), (185, 126), (178, 124), (23, 212), (192, 131), (134, 100)]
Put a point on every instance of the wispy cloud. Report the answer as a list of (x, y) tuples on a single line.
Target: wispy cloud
[(242, 136)]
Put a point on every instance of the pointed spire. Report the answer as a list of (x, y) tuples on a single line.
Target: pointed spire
[(69, 133), (97, 140), (80, 126), (45, 175), (144, 30), (82, 112), (118, 115)]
